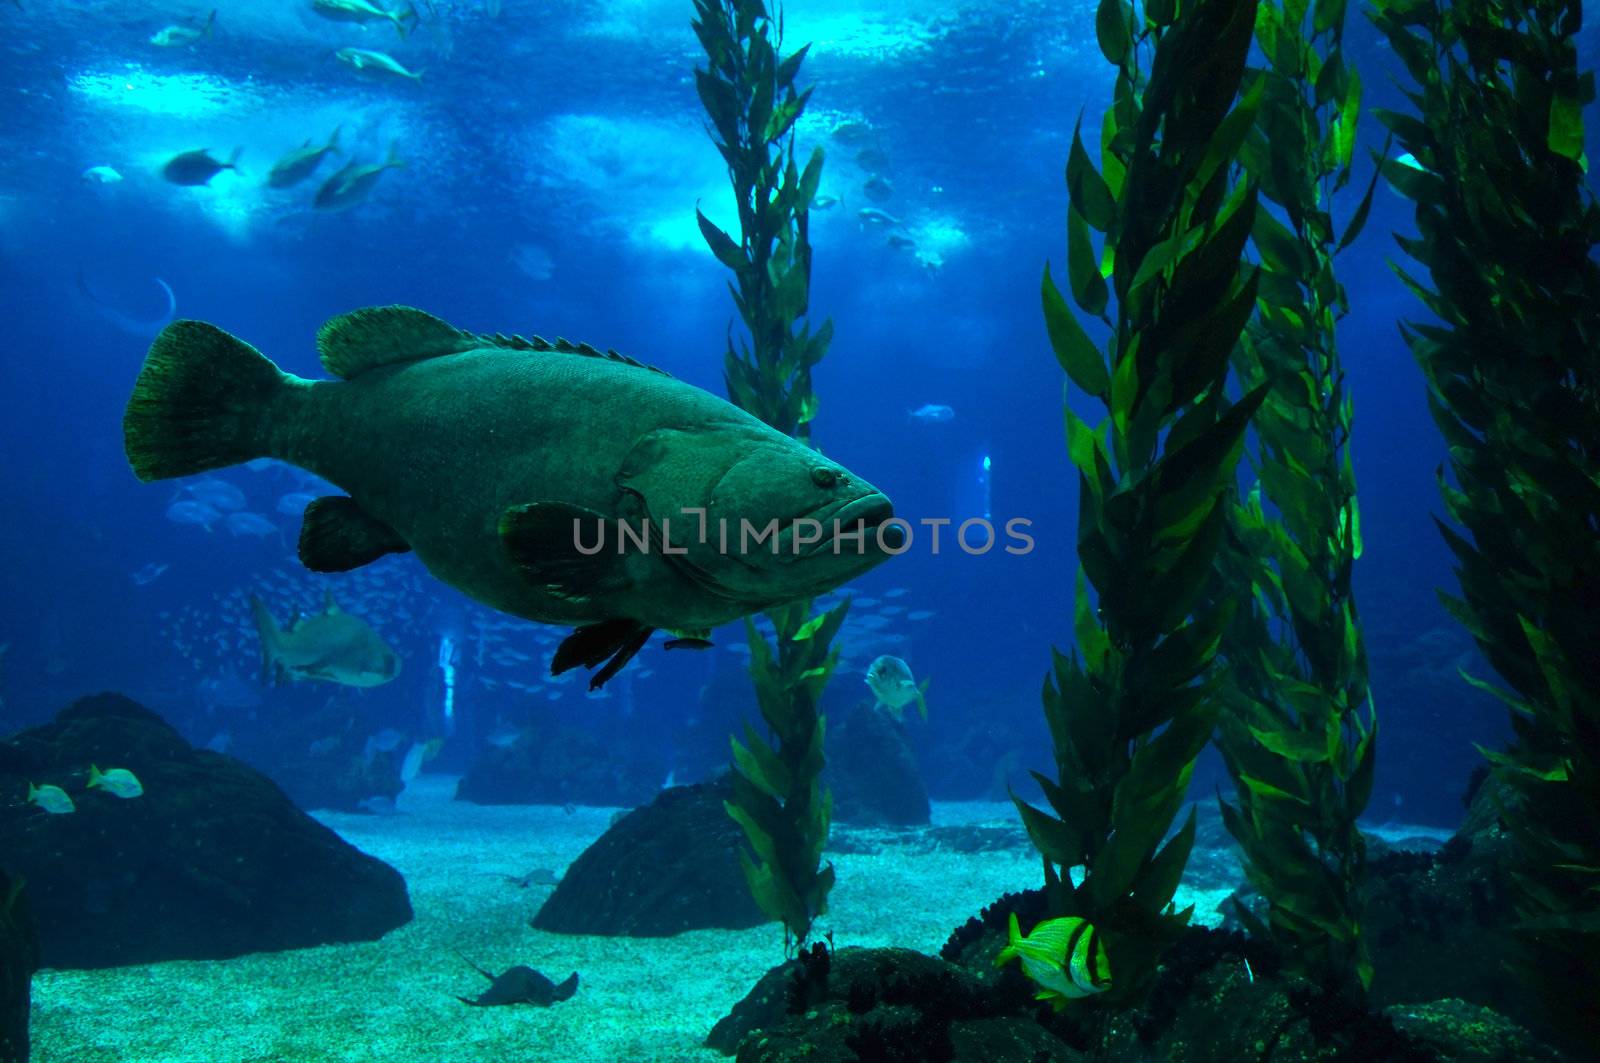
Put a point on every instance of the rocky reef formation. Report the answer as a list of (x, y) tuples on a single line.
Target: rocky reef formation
[(872, 772), (670, 866), (1218, 997), (210, 861), (551, 764), (19, 958)]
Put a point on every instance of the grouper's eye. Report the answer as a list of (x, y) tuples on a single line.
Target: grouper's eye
[(823, 476)]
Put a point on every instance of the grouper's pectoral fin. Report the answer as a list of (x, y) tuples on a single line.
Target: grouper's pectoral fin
[(589, 645), (546, 542), (337, 535)]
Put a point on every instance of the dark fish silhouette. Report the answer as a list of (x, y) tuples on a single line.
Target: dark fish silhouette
[(520, 985)]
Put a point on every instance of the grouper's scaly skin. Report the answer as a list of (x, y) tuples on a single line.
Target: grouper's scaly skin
[(439, 449)]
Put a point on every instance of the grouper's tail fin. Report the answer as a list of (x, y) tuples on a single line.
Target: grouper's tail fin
[(201, 402)]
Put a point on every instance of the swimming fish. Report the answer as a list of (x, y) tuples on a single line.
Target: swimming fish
[(889, 679), (1065, 958), (353, 182), (253, 524), (551, 444), (331, 645), (52, 799), (932, 413), (149, 573), (119, 782), (302, 162), (362, 11), (190, 512), (104, 175), (364, 59), (197, 167), (874, 216), (878, 189), (181, 36), (520, 985)]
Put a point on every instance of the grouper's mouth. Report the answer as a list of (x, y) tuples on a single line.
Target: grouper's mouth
[(856, 528)]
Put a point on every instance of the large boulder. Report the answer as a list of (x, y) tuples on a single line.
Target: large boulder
[(872, 772), (557, 765), (211, 861), (670, 866), (19, 958)]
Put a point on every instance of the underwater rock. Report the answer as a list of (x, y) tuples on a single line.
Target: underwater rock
[(556, 765), (1466, 1033), (211, 861), (1437, 926), (19, 958), (886, 1004), (670, 866), (873, 773)]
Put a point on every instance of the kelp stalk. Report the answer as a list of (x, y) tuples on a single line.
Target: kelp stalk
[(1297, 732), (752, 106), (1132, 707), (1507, 233)]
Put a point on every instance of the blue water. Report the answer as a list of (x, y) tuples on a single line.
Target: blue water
[(554, 157)]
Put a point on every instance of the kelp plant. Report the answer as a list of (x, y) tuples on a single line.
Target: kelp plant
[(1132, 707), (1297, 731), (750, 99), (1507, 233)]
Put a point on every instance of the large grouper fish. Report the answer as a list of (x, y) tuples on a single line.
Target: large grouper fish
[(501, 461)]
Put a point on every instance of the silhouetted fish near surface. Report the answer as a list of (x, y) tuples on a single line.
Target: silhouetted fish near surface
[(297, 165), (353, 182), (520, 985), (197, 167)]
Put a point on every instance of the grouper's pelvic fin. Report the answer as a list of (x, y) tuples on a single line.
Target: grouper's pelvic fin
[(202, 401), (337, 535), (589, 645)]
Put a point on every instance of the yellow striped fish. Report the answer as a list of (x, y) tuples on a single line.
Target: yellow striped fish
[(1065, 958)]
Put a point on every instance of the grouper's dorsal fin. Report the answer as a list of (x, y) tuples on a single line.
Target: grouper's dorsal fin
[(561, 346), (352, 343)]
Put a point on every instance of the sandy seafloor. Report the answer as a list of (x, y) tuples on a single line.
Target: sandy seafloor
[(395, 999)]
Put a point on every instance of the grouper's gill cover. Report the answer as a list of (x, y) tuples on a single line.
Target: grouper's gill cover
[(487, 455)]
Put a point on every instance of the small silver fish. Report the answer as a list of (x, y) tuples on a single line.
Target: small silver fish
[(890, 680), (119, 782), (932, 413), (52, 799)]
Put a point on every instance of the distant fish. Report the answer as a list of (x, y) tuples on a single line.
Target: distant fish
[(220, 742), (1065, 958), (363, 11), (419, 754), (366, 59), (332, 645), (148, 574), (216, 493), (197, 167), (178, 36), (378, 805), (385, 741), (878, 189), (323, 746), (890, 680), (900, 242), (353, 183), (503, 737), (294, 504), (932, 413), (826, 202), (920, 614), (521, 985), (52, 799), (252, 524), (102, 175), (119, 782), (853, 132), (874, 216), (297, 165), (539, 876), (192, 512), (872, 159)]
